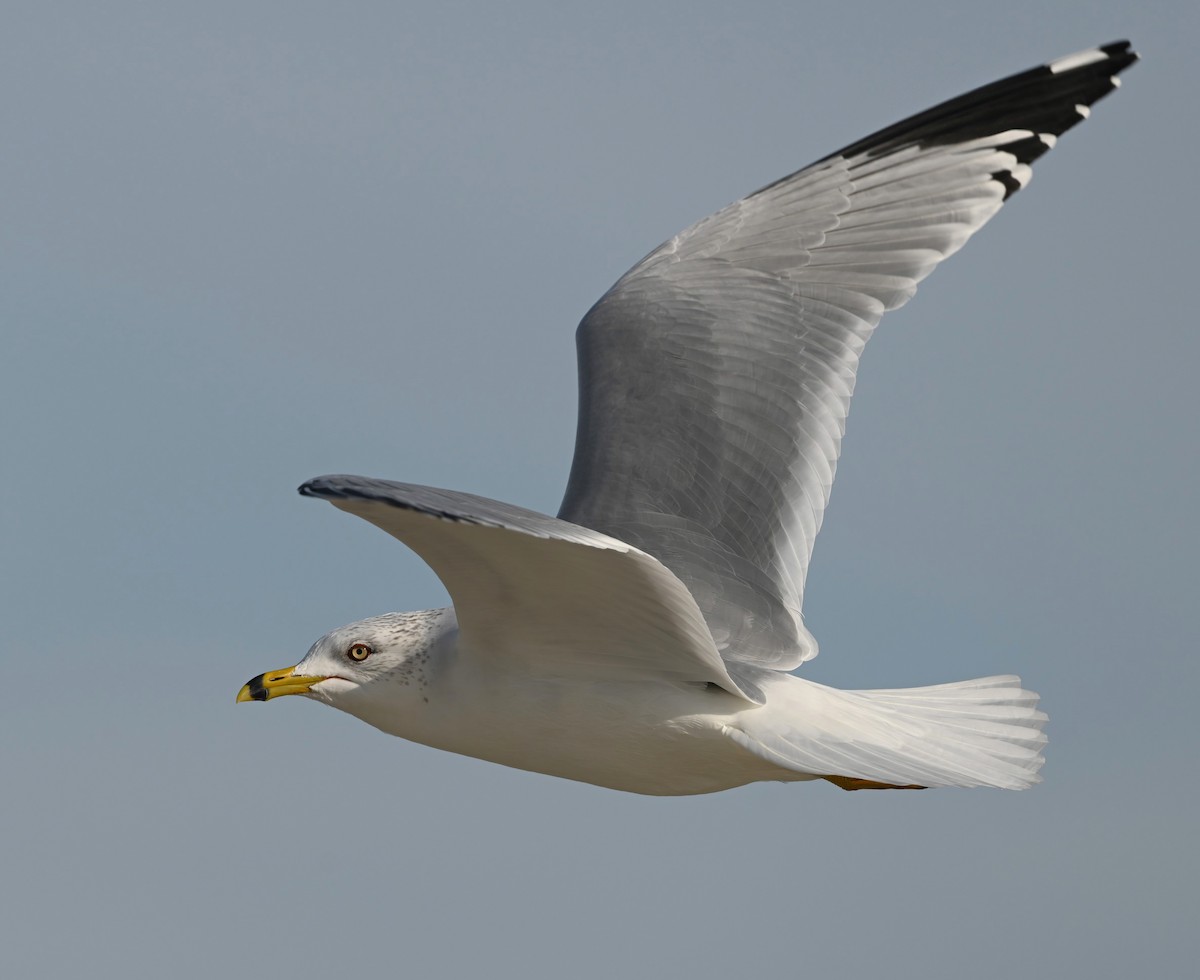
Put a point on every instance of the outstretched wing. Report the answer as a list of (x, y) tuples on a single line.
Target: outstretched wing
[(716, 375), (562, 599)]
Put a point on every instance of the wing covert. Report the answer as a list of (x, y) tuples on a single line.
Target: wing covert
[(716, 375), (531, 588)]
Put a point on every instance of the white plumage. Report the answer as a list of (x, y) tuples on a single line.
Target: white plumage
[(642, 639)]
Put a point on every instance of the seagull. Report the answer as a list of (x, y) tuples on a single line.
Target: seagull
[(644, 639)]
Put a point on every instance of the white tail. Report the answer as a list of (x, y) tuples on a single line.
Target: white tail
[(982, 732)]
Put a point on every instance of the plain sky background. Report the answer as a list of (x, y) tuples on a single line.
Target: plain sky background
[(243, 244)]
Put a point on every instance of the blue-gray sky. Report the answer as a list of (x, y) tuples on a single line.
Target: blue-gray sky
[(243, 244)]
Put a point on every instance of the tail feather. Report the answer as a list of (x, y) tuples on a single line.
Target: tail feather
[(981, 732)]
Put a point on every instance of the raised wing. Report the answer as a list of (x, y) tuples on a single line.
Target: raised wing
[(560, 598), (716, 375)]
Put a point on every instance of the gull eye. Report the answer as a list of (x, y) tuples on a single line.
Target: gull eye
[(359, 652)]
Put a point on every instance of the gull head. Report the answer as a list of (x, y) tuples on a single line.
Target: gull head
[(383, 655)]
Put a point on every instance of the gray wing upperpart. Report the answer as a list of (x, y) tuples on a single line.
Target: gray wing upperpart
[(716, 375), (558, 598)]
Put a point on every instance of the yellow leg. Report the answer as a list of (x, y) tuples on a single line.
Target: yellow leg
[(851, 783)]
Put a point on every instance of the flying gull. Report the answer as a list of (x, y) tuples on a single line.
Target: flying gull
[(644, 639)]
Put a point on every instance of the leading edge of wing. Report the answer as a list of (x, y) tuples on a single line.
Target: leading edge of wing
[(560, 597)]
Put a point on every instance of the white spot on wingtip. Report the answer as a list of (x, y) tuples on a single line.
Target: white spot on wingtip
[(995, 139), (1049, 139), (1073, 61), (1116, 81), (1083, 111)]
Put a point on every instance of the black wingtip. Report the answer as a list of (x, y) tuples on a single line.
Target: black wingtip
[(323, 487), (1117, 48), (1041, 100), (1011, 184)]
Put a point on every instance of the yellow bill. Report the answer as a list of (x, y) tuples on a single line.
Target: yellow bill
[(277, 683)]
